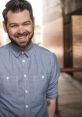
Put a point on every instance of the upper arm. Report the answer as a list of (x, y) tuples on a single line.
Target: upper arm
[(52, 91)]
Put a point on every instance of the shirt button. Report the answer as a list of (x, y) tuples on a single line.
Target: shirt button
[(24, 75), (23, 61), (43, 77), (26, 91), (26, 106), (22, 52), (7, 78)]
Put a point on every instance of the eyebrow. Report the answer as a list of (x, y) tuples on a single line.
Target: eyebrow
[(26, 21), (13, 23)]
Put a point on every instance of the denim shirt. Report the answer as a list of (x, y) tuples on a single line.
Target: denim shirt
[(27, 80)]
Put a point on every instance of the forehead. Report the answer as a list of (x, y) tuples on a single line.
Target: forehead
[(19, 16)]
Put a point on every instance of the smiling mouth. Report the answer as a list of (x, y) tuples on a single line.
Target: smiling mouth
[(22, 36)]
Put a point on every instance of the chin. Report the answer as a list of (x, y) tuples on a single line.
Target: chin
[(22, 45)]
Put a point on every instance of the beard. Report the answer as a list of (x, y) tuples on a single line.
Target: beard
[(18, 35)]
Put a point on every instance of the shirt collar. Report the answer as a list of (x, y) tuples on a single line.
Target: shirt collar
[(17, 51)]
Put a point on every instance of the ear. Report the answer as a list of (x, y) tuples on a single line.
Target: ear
[(4, 26)]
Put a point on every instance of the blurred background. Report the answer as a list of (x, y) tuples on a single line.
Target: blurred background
[(59, 29)]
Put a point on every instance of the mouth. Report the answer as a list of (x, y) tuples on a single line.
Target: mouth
[(22, 35)]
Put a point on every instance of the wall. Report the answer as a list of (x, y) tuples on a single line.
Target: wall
[(53, 28)]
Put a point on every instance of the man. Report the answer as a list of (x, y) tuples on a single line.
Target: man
[(28, 73)]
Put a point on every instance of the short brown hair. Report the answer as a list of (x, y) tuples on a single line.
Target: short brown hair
[(16, 6)]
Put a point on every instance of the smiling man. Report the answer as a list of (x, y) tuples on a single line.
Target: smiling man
[(20, 31), (28, 73)]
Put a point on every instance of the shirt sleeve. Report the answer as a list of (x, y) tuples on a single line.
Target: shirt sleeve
[(52, 91)]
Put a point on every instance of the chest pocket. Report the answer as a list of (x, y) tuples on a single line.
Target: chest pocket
[(8, 84), (39, 83), (38, 87)]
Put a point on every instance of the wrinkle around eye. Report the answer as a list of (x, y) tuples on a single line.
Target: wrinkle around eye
[(13, 25), (27, 23)]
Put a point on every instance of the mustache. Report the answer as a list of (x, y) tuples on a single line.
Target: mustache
[(22, 34)]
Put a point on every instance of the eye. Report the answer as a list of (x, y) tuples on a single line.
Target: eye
[(13, 25), (26, 23)]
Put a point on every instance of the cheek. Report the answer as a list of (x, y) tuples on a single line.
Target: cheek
[(30, 28), (11, 32)]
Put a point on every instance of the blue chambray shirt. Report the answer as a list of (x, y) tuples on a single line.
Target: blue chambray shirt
[(27, 80)]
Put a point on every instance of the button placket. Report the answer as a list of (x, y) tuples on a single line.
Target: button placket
[(23, 57), (25, 72)]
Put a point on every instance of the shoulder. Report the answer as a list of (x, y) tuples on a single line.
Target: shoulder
[(42, 50), (45, 54), (4, 49), (47, 58)]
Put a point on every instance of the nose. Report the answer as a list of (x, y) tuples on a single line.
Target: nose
[(21, 29)]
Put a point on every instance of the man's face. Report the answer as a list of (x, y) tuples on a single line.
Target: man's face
[(20, 28)]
